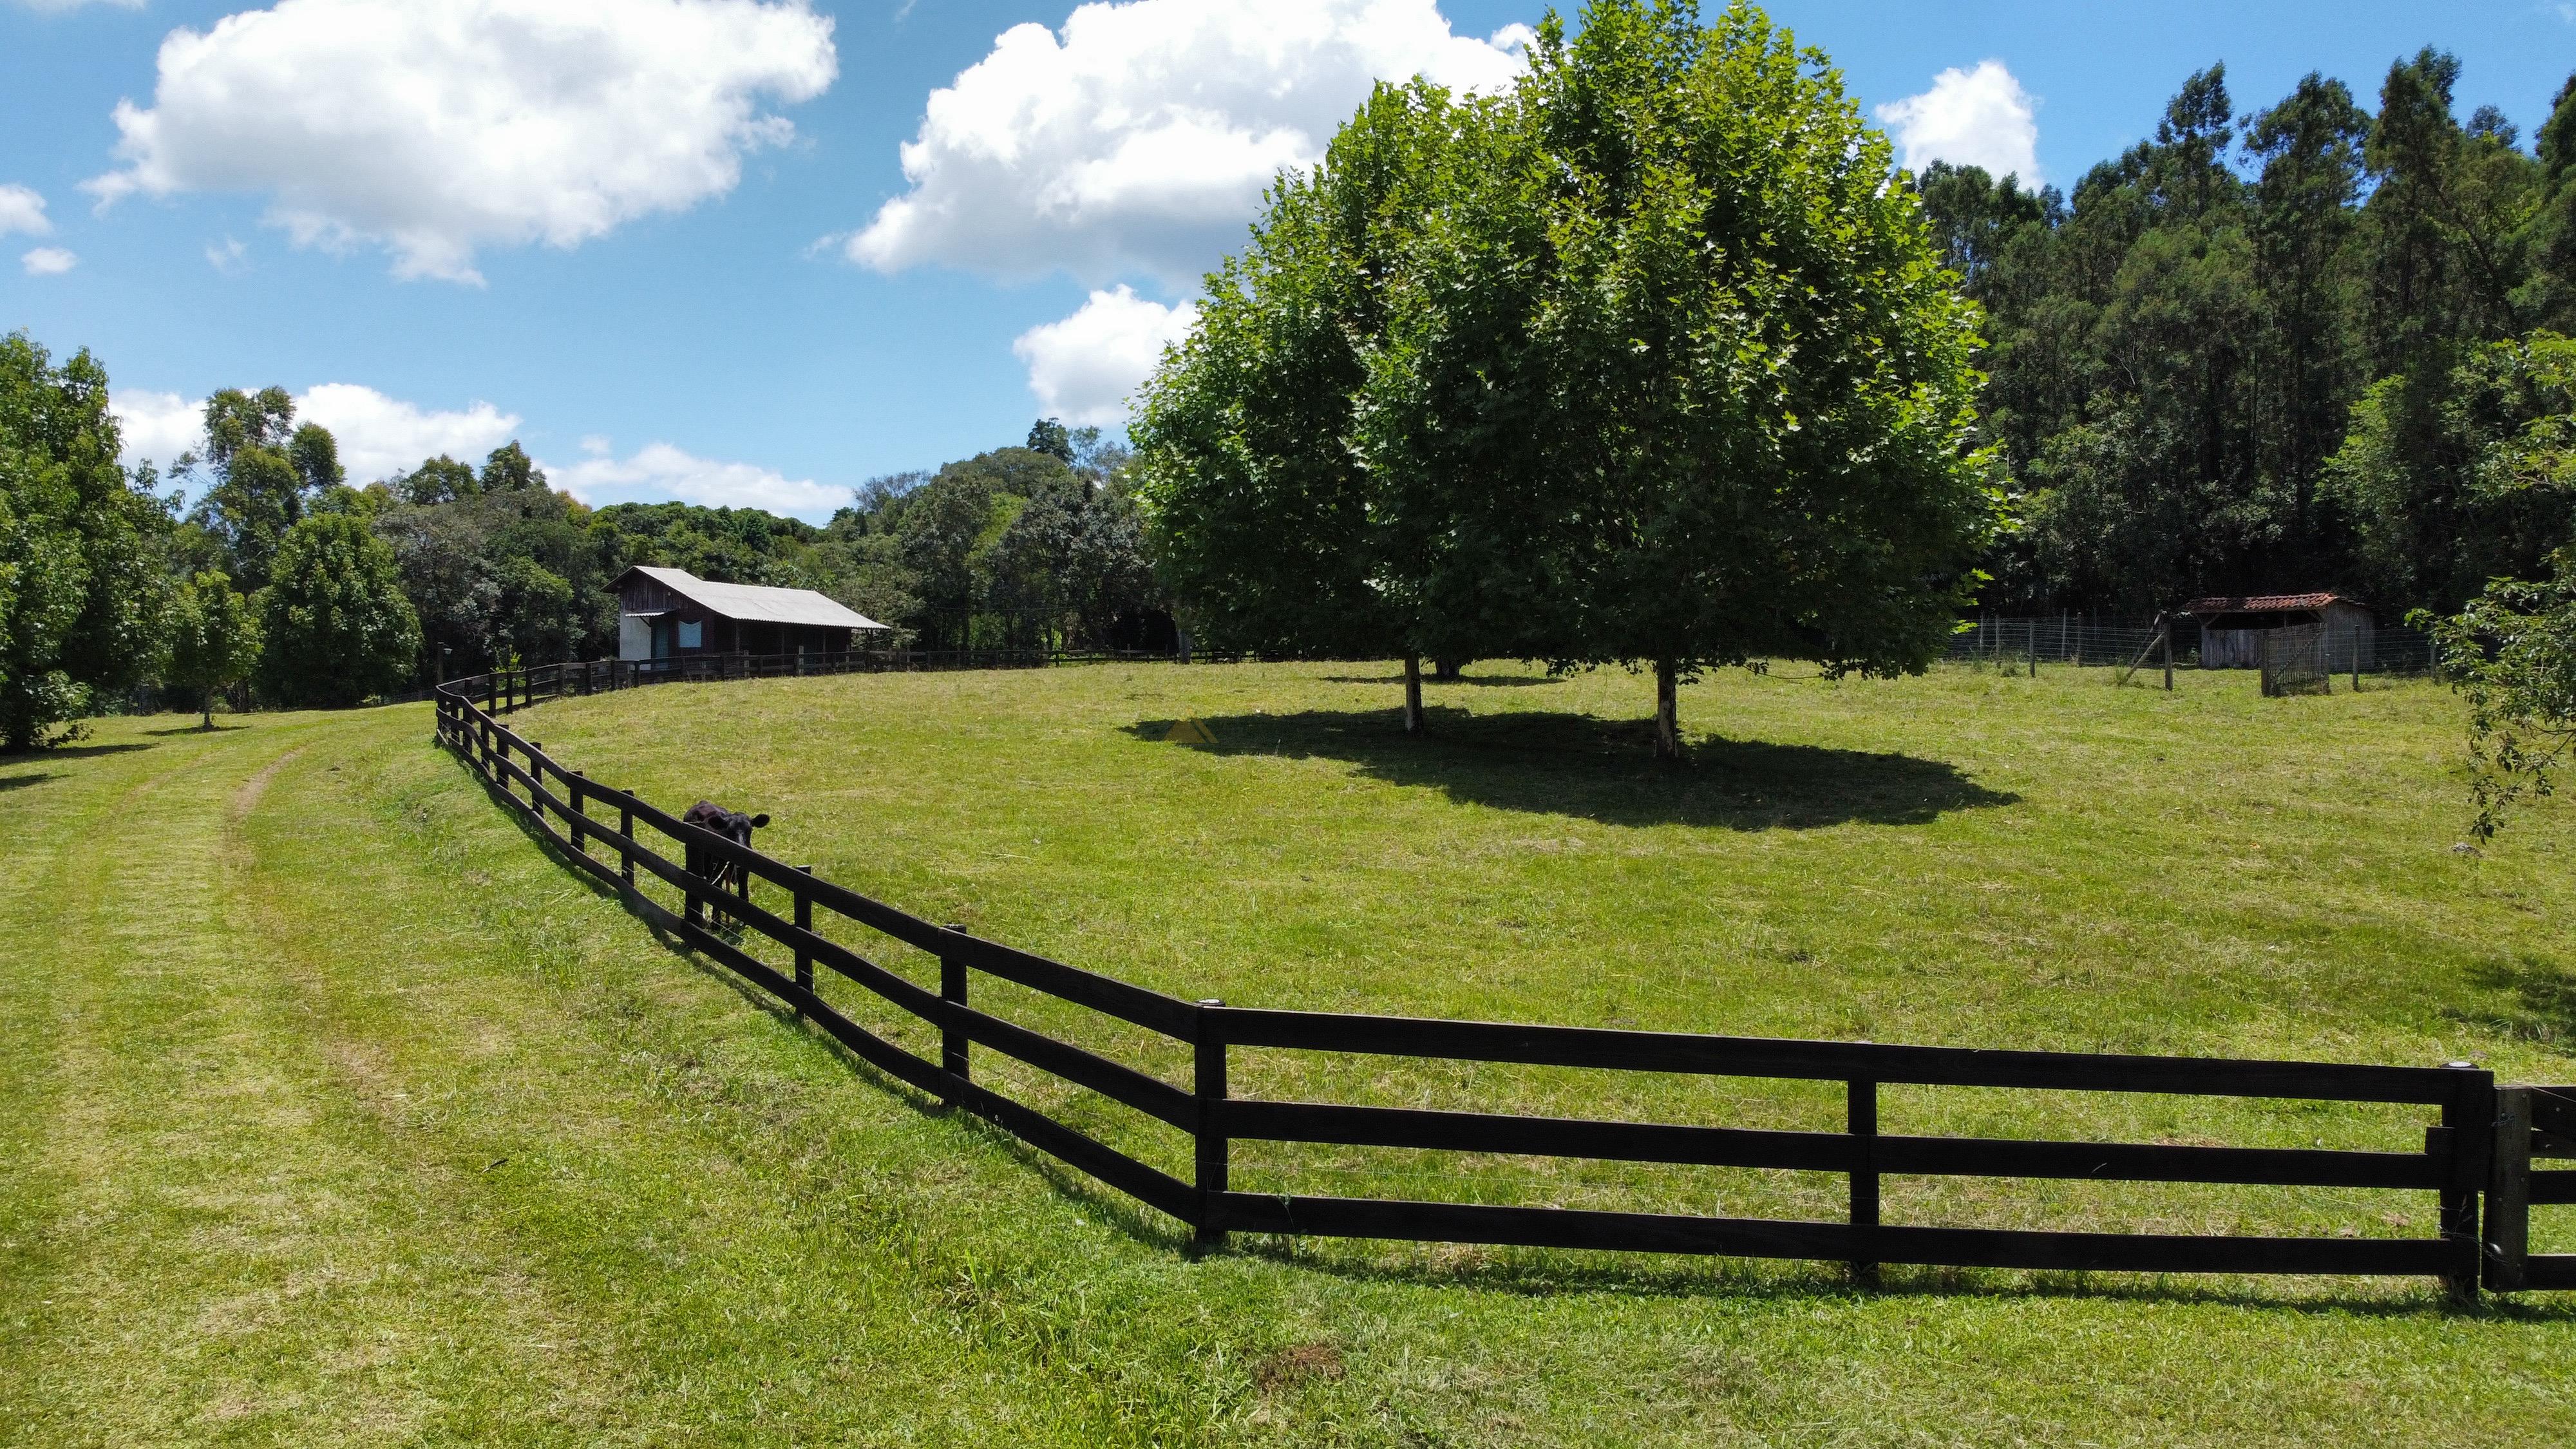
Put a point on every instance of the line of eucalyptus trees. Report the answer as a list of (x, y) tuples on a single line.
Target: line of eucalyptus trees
[(2276, 350)]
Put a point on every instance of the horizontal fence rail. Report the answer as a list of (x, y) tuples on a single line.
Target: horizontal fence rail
[(2477, 1152)]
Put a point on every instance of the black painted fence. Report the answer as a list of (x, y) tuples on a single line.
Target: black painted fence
[(2477, 1150)]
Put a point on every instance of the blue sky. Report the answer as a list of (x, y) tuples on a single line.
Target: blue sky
[(673, 245)]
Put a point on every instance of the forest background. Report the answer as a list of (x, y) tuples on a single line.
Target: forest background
[(2307, 345)]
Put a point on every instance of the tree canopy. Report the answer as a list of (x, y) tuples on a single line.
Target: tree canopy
[(214, 641), (1646, 361), (2250, 354), (335, 625), (83, 593)]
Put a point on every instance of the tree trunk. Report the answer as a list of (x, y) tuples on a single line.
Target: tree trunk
[(1413, 694), (1668, 714), (1447, 670), (208, 703)]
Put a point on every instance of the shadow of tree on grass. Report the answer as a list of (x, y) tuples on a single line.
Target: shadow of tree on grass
[(68, 752), (1479, 681), (1550, 762)]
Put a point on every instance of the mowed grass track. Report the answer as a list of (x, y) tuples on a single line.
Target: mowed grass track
[(331, 1110)]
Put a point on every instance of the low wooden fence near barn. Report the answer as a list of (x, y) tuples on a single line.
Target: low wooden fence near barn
[(2477, 1149)]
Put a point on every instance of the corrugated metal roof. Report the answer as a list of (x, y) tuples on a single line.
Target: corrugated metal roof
[(2266, 603), (755, 603)]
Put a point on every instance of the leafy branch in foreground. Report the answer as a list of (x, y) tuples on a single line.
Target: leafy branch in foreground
[(2512, 655), (2512, 652)]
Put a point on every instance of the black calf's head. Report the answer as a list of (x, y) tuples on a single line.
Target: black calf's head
[(731, 824)]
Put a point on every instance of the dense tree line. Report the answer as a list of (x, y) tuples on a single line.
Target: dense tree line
[(280, 584), (2274, 350)]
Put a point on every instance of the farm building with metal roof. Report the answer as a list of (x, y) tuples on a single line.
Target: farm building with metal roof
[(673, 614)]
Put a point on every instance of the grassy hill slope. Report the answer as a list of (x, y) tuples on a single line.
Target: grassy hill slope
[(331, 1111)]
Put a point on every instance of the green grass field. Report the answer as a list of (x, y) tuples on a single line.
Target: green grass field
[(332, 1110)]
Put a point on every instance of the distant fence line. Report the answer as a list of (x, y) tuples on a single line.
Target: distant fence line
[(2096, 641), (2070, 639), (2477, 1153)]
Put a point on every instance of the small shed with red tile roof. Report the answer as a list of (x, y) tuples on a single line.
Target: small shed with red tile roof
[(2232, 626)]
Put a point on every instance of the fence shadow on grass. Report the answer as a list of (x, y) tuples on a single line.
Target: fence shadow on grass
[(1541, 1273), (1557, 763)]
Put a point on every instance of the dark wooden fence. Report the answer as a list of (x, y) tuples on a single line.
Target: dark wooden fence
[(2478, 1148)]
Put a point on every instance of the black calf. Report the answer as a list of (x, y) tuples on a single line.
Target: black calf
[(709, 866)]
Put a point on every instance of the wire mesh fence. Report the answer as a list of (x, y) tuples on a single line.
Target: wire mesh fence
[(2310, 656)]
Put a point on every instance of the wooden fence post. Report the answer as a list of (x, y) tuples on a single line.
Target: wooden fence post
[(2468, 1125), (804, 922), (1861, 1115), (2508, 1216), (953, 1045), (1211, 1155), (626, 828), (575, 785)]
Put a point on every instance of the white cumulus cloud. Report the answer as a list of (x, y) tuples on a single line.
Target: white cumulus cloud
[(1139, 137), (661, 471), (438, 127), (48, 262), (156, 426), (21, 209), (1083, 367), (379, 436), (1979, 117)]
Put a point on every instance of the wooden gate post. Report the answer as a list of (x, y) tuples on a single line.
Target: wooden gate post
[(954, 1047), (1861, 1113), (1211, 1154), (2508, 1217), (2468, 1124)]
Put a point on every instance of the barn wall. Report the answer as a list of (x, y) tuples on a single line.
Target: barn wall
[(2231, 648)]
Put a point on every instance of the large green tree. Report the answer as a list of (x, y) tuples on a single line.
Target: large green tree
[(82, 594), (335, 625), (1678, 379)]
